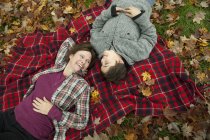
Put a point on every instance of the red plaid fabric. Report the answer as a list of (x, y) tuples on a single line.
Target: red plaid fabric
[(36, 52)]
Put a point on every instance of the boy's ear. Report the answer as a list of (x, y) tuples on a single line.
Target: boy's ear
[(121, 61)]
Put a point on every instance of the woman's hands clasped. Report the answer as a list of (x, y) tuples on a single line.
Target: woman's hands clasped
[(42, 106)]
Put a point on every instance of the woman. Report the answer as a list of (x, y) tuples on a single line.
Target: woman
[(52, 93)]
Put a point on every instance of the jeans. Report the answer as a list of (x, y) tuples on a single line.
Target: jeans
[(10, 129)]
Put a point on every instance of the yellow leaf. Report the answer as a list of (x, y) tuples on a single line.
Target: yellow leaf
[(146, 76), (131, 136), (72, 30), (95, 96), (68, 10), (170, 44), (201, 76), (45, 27), (203, 42), (146, 92)]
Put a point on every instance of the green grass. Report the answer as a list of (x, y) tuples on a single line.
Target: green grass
[(185, 23)]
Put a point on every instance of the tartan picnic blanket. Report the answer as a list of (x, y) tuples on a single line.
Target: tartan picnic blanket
[(36, 52)]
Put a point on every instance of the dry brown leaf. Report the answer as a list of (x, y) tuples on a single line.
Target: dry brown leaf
[(146, 91), (131, 136), (145, 129), (199, 17), (204, 4), (169, 114), (146, 76), (187, 130), (150, 82), (119, 121), (97, 121)]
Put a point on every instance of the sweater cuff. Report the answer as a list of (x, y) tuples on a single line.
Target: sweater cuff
[(55, 113), (142, 11), (113, 11)]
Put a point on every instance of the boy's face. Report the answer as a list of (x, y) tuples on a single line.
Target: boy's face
[(110, 58)]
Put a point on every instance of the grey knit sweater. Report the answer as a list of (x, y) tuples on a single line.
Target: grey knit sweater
[(132, 39)]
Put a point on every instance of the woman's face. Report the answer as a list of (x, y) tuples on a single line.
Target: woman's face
[(80, 61)]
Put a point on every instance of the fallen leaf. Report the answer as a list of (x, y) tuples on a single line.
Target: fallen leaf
[(131, 136), (204, 4), (146, 91), (97, 121), (187, 130), (68, 10), (72, 30), (199, 17), (169, 114), (119, 121), (150, 82), (173, 128), (146, 76), (95, 96)]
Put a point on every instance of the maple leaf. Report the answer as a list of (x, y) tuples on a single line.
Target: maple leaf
[(95, 96), (158, 6), (187, 130), (68, 10), (72, 30), (204, 4), (97, 121), (169, 113), (146, 91), (146, 76), (131, 136), (173, 128), (96, 136), (119, 121), (201, 76), (198, 17), (150, 82), (203, 42)]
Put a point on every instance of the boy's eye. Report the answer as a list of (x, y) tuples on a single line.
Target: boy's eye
[(81, 56)]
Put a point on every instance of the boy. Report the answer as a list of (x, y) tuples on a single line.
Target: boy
[(121, 35)]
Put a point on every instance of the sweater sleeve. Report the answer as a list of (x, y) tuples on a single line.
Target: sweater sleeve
[(97, 35), (79, 118)]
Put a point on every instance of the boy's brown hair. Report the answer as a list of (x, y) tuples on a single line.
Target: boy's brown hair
[(116, 73)]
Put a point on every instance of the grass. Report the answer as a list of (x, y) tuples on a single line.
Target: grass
[(186, 24)]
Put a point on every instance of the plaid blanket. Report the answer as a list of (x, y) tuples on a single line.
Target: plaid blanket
[(35, 52)]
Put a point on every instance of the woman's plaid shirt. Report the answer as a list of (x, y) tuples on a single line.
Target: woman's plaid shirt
[(73, 91)]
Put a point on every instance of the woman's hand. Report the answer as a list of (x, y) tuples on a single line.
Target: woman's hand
[(42, 106)]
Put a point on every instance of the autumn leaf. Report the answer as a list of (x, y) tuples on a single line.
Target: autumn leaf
[(150, 82), (198, 17), (187, 130), (131, 136), (146, 91), (204, 4), (169, 114), (146, 76), (145, 128), (119, 121), (68, 10), (95, 96), (96, 136), (72, 30), (97, 121), (203, 42)]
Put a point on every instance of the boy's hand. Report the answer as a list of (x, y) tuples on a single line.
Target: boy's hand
[(132, 11)]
